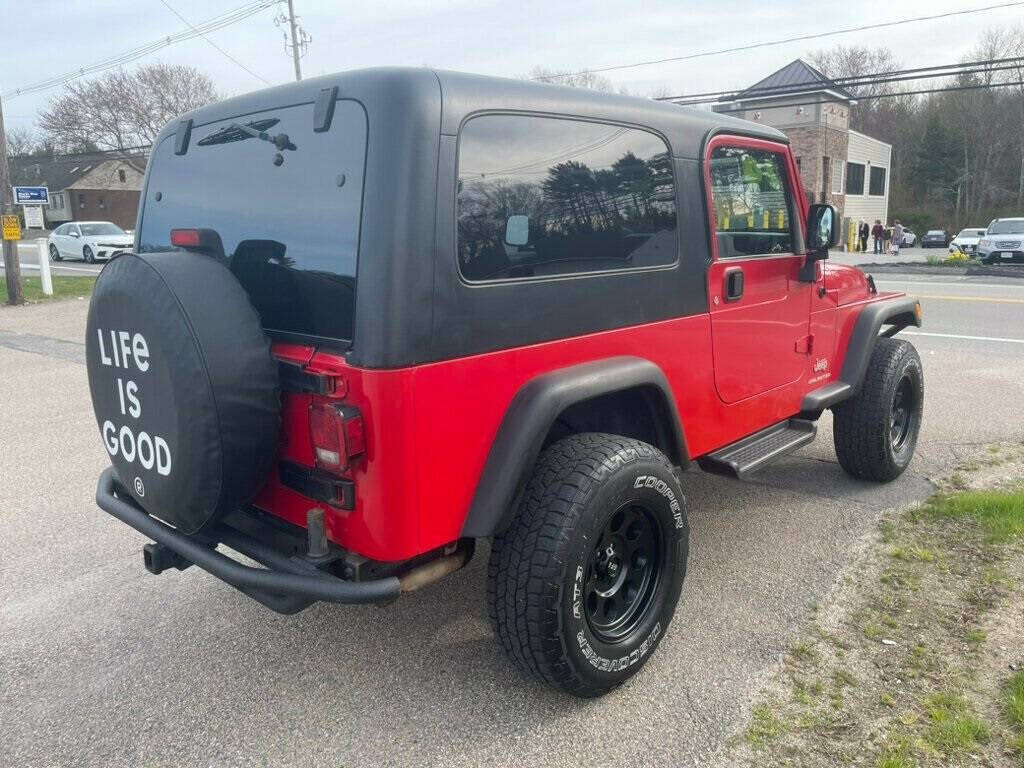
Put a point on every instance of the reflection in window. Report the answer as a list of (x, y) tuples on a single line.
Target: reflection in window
[(750, 193), (595, 197)]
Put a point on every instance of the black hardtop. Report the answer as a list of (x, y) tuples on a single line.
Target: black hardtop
[(411, 304), (395, 93)]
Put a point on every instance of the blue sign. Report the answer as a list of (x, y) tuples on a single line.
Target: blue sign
[(31, 196)]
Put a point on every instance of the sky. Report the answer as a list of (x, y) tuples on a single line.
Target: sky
[(487, 37)]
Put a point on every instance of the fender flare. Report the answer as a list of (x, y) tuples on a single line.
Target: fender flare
[(898, 312), (530, 416)]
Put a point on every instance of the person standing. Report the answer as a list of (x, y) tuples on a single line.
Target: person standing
[(878, 233), (897, 238), (862, 232)]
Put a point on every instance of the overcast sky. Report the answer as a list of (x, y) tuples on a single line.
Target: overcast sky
[(42, 39)]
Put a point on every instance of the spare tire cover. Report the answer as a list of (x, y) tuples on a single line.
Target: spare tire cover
[(183, 385)]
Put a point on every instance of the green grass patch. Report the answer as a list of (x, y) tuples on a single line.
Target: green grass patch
[(765, 728), (64, 287), (1001, 513), (952, 727), (1013, 708)]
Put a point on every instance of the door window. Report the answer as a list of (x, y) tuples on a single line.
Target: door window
[(752, 201)]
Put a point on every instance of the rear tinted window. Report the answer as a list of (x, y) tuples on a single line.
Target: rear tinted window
[(290, 231), (541, 197)]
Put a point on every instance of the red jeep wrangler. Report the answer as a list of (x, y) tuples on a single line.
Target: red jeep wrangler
[(374, 317)]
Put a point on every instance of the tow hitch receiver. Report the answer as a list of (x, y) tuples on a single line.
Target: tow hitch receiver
[(158, 558)]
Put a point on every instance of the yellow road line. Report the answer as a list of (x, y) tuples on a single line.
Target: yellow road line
[(993, 300)]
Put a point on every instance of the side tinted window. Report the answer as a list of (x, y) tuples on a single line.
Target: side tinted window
[(752, 202), (540, 197)]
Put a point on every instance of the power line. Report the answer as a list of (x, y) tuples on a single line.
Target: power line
[(217, 22), (854, 81), (976, 87), (769, 43), (213, 44)]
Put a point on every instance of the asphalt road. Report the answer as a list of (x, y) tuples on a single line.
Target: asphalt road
[(103, 664)]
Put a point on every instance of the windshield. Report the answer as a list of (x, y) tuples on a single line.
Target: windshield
[(971, 233), (101, 228), (286, 202), (1007, 227), (935, 232)]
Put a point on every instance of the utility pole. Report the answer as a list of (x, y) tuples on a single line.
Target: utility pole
[(296, 42), (12, 269), (295, 46)]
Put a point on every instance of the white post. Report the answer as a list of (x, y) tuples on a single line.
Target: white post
[(43, 255)]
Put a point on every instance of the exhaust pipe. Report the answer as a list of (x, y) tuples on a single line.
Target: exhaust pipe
[(435, 570)]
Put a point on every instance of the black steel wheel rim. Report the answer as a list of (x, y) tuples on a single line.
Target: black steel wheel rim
[(903, 412), (623, 572)]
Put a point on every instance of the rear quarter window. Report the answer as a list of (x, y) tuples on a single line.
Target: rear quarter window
[(544, 197)]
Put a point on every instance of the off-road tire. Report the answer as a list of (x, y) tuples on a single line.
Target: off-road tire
[(863, 425), (537, 593), (88, 255)]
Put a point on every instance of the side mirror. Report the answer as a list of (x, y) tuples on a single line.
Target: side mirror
[(822, 230), (74, 234), (517, 230)]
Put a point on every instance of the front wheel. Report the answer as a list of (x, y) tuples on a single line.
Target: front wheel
[(583, 584), (87, 254), (876, 432), (55, 254)]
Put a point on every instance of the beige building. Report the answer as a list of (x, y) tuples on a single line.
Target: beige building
[(837, 165)]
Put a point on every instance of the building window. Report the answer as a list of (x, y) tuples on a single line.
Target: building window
[(81, 200), (540, 197), (877, 186), (120, 174), (855, 178), (101, 203), (837, 179)]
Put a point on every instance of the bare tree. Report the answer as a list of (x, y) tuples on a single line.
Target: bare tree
[(21, 141), (123, 109), (582, 80)]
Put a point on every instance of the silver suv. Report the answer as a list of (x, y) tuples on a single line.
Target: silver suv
[(1003, 240)]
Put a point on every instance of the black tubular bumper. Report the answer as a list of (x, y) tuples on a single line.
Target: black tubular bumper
[(286, 584)]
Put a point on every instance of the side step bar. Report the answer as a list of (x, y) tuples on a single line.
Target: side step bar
[(759, 449)]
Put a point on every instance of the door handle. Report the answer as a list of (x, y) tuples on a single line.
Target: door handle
[(733, 279)]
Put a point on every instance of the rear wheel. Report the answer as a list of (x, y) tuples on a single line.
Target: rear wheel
[(54, 253), (876, 432), (88, 255), (584, 583)]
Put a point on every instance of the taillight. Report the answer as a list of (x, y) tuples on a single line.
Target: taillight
[(338, 435), (203, 240)]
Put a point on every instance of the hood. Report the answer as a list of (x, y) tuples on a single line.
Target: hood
[(112, 239), (850, 283)]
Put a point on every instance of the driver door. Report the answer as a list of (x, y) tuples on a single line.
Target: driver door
[(760, 309), (67, 243)]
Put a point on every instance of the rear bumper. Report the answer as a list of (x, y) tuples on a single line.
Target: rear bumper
[(286, 584)]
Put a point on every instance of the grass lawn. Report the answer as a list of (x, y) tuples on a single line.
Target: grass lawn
[(64, 287), (918, 661)]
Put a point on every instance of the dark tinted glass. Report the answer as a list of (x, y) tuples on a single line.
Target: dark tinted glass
[(290, 231), (541, 196), (854, 179), (877, 186), (751, 197)]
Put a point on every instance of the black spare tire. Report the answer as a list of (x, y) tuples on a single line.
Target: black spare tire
[(183, 384)]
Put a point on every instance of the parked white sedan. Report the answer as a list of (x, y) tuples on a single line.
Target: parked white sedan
[(88, 240)]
